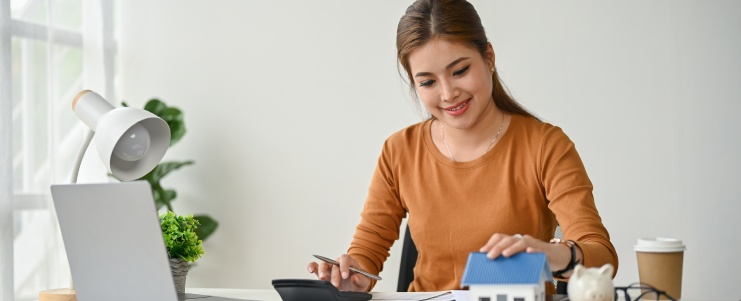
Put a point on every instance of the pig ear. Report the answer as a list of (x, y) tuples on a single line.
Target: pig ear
[(606, 270), (578, 270)]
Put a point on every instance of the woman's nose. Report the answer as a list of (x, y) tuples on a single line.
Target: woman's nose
[(448, 92)]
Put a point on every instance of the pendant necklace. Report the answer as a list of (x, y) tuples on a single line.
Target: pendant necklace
[(442, 129)]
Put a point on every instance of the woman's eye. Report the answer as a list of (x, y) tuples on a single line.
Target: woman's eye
[(461, 70), (426, 83)]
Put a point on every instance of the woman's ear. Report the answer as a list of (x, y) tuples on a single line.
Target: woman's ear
[(606, 270), (489, 55)]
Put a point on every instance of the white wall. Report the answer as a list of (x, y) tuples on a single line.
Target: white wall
[(288, 103)]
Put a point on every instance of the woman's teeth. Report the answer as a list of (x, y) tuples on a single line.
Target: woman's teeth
[(459, 107)]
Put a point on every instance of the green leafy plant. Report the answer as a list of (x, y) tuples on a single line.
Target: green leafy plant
[(180, 236), (163, 197)]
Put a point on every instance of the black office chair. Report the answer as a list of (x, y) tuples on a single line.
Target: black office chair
[(409, 259), (561, 286)]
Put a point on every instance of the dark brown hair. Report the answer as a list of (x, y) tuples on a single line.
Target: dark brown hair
[(451, 20)]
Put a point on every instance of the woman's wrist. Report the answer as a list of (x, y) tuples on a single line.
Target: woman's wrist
[(569, 255)]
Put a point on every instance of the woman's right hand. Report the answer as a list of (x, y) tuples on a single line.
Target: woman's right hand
[(341, 276)]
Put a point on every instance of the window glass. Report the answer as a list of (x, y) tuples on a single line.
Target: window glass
[(501, 297), (68, 14), (35, 267), (30, 113), (46, 134), (33, 11), (67, 83)]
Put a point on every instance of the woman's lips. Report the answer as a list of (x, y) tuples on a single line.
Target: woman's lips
[(459, 108)]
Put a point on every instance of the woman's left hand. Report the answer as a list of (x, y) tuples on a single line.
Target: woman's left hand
[(499, 244)]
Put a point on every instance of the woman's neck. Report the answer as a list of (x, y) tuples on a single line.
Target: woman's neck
[(470, 143), (483, 130)]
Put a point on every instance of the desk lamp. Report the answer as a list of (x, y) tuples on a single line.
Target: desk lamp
[(130, 142)]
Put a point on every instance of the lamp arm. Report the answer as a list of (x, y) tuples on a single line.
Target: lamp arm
[(73, 179), (80, 155)]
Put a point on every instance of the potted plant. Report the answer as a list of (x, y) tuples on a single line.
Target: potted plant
[(182, 243)]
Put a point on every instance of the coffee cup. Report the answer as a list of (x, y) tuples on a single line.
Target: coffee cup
[(660, 265)]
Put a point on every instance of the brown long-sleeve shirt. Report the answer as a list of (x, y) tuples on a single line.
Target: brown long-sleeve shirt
[(529, 182)]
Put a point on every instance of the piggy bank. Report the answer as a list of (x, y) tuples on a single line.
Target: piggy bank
[(591, 284)]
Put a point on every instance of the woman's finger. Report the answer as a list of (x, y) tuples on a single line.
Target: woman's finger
[(324, 270), (504, 243), (335, 278), (345, 263), (493, 240), (518, 244), (312, 268)]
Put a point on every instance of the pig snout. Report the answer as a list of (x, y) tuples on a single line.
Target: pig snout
[(596, 295)]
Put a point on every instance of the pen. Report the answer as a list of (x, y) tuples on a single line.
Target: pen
[(354, 269)]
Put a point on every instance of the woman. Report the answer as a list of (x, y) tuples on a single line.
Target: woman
[(482, 174)]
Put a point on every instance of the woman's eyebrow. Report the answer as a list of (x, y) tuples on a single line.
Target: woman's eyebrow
[(458, 60)]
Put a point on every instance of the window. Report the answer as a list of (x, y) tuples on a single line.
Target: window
[(484, 299), (48, 48), (519, 299), (501, 297)]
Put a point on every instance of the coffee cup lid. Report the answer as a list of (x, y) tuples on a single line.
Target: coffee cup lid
[(659, 245)]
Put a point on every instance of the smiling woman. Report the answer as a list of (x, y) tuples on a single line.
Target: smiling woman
[(483, 174)]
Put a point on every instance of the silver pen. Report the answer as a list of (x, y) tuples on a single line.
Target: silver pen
[(354, 269)]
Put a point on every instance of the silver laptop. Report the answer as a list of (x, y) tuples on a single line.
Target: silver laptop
[(114, 243)]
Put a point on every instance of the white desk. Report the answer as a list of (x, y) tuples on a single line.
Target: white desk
[(270, 294), (248, 294)]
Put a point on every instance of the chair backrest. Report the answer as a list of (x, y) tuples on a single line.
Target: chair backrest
[(409, 259), (560, 285)]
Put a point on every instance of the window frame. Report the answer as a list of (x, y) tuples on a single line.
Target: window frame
[(13, 202)]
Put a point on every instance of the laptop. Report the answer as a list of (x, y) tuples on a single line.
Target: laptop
[(114, 243)]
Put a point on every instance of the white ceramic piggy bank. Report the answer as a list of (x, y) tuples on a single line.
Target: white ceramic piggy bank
[(591, 284)]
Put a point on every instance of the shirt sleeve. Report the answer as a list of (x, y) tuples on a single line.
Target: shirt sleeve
[(380, 219), (569, 192)]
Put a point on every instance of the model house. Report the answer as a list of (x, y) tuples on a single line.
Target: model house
[(521, 277)]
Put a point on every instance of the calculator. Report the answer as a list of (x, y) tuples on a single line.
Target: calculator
[(313, 290)]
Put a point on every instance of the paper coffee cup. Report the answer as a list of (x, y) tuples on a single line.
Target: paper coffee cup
[(660, 265)]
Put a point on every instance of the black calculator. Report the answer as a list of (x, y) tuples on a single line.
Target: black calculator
[(314, 290)]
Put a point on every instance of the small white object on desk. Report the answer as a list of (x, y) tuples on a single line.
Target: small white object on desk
[(591, 284)]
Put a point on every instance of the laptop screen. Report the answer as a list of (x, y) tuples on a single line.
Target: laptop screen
[(114, 243)]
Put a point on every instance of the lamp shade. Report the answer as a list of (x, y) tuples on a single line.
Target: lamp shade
[(130, 141)]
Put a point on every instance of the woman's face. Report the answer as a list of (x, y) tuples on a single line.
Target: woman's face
[(453, 81)]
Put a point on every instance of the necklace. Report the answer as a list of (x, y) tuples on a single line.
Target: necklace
[(442, 129)]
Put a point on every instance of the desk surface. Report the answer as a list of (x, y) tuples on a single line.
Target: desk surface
[(249, 294), (268, 294), (252, 294)]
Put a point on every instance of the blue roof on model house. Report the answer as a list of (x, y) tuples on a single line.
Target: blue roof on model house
[(522, 268)]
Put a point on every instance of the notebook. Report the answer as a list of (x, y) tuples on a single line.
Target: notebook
[(114, 243)]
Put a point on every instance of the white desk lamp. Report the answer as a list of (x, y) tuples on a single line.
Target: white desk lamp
[(130, 142)]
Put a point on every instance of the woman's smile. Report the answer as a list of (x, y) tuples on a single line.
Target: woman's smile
[(459, 108)]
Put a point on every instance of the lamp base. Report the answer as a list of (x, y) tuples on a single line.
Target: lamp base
[(59, 294)]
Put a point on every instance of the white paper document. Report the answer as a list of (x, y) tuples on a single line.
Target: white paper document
[(424, 296)]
